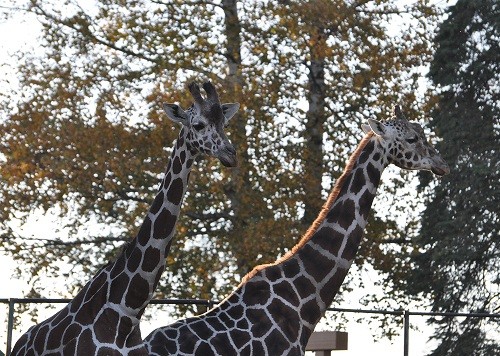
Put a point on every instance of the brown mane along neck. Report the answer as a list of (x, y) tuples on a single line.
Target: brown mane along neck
[(321, 216)]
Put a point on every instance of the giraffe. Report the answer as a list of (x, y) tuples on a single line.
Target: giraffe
[(276, 307), (103, 318)]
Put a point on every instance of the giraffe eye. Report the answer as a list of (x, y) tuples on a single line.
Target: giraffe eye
[(199, 126), (412, 140)]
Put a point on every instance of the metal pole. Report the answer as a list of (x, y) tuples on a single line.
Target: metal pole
[(406, 332), (10, 326)]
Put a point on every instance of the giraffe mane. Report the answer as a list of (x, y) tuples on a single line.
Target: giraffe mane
[(322, 214)]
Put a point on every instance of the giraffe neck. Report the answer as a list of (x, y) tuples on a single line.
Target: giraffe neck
[(103, 318), (316, 267), (327, 253), (135, 274)]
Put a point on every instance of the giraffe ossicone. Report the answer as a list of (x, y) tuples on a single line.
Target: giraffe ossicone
[(277, 306), (103, 318)]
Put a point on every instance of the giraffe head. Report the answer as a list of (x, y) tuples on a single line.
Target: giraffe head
[(204, 123), (406, 144)]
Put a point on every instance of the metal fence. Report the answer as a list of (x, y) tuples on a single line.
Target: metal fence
[(405, 314)]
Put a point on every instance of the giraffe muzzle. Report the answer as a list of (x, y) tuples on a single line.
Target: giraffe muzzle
[(440, 167), (227, 156)]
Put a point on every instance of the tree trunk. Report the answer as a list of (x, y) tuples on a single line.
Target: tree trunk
[(237, 188), (314, 129)]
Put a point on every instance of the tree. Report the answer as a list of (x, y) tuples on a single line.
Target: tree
[(458, 262), (87, 134)]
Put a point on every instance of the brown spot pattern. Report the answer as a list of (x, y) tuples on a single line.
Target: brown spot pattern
[(175, 191)]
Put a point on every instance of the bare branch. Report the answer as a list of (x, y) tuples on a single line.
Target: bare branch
[(87, 31), (399, 241), (45, 242), (192, 3), (213, 217)]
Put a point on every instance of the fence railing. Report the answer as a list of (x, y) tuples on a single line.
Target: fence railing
[(405, 314)]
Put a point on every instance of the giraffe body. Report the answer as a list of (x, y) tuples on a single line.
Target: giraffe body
[(103, 318), (277, 306)]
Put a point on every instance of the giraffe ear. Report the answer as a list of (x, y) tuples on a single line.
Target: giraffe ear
[(229, 109), (176, 114), (377, 127)]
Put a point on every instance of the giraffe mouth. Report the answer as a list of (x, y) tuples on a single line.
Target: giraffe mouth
[(227, 159), (440, 171), (439, 166)]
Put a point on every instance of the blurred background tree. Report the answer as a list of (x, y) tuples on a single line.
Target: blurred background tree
[(83, 137), (457, 262)]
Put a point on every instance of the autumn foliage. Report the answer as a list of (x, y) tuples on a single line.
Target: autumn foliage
[(84, 138)]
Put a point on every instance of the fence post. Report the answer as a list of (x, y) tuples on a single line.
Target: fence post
[(10, 326), (406, 331)]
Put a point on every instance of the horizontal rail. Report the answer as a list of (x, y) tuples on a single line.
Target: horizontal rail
[(409, 312), (65, 300), (207, 302)]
